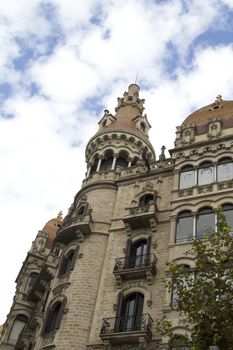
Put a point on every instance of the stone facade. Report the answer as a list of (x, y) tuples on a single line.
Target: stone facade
[(96, 279)]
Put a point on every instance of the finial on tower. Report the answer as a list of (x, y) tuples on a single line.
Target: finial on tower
[(59, 215), (131, 98)]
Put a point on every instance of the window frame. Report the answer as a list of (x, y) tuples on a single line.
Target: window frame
[(186, 169), (182, 215), (19, 318), (146, 199), (221, 162), (205, 165), (125, 321), (30, 282), (52, 321), (201, 213), (67, 263)]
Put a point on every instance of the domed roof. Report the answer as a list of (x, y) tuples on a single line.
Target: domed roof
[(219, 109), (51, 229)]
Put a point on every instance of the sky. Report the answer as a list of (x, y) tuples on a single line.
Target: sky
[(62, 62)]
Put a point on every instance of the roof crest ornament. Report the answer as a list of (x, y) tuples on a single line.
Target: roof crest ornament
[(217, 103)]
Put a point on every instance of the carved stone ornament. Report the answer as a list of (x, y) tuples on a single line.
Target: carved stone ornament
[(83, 199), (186, 192), (149, 277), (225, 185), (214, 128), (119, 281), (59, 289), (107, 345), (80, 236), (134, 284), (148, 186), (187, 135), (217, 104), (48, 339), (205, 189), (178, 138)]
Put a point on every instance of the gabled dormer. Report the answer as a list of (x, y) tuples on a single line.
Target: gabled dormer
[(106, 120), (142, 123)]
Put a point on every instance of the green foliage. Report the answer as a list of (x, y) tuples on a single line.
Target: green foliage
[(205, 294)]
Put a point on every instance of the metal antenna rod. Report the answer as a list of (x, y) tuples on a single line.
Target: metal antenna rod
[(136, 78)]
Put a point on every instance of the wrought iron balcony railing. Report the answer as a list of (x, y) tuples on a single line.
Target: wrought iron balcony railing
[(124, 324), (136, 262)]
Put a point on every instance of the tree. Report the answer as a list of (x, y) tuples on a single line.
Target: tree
[(204, 295)]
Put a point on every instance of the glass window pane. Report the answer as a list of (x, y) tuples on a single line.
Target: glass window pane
[(184, 229), (16, 330), (205, 224), (205, 175), (187, 179), (229, 217), (225, 171)]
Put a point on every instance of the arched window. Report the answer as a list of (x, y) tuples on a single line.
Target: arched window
[(106, 163), (54, 317), (228, 213), (179, 342), (81, 210), (184, 281), (30, 282), (184, 227), (129, 313), (19, 324), (205, 173), (142, 126), (94, 165), (205, 222), (147, 199), (121, 163), (187, 177), (68, 262), (137, 253), (225, 169)]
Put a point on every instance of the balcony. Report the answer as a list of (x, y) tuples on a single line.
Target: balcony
[(71, 227), (141, 216), (126, 329), (135, 267)]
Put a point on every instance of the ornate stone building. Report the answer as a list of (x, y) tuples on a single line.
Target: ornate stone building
[(96, 279)]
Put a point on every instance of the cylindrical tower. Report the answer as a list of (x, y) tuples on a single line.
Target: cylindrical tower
[(83, 236)]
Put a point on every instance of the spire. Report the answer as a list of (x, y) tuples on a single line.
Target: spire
[(131, 98)]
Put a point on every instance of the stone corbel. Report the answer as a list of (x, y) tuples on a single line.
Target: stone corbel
[(142, 343), (149, 277), (119, 281), (107, 345), (80, 236), (128, 229), (153, 224)]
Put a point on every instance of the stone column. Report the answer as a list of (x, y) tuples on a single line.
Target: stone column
[(99, 164), (88, 170), (114, 162), (194, 224), (173, 229)]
